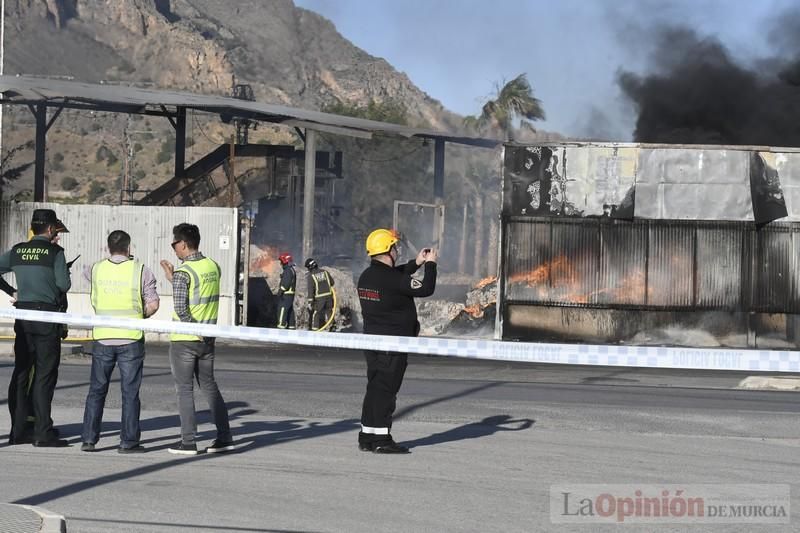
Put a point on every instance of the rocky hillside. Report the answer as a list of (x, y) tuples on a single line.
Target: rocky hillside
[(289, 55)]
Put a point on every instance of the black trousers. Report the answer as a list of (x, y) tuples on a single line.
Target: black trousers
[(21, 348), (385, 373), (43, 355), (321, 312), (286, 311)]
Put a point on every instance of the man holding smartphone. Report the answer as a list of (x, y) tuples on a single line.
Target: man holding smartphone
[(386, 292)]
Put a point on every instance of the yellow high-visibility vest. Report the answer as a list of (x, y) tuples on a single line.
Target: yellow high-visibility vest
[(204, 277), (117, 292)]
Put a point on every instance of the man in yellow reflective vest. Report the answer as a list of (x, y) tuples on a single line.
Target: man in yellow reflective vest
[(122, 287), (195, 292)]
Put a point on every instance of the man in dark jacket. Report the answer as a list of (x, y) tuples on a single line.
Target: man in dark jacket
[(42, 278), (286, 292), (387, 293), (21, 347)]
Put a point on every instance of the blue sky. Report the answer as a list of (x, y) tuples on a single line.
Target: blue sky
[(456, 50)]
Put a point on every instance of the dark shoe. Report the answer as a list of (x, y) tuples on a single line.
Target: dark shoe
[(365, 446), (52, 443), (219, 446), (133, 449), (25, 439), (181, 448), (390, 447), (87, 447)]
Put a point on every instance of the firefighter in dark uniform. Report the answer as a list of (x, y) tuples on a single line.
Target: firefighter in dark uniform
[(42, 278), (386, 292), (320, 296), (286, 292)]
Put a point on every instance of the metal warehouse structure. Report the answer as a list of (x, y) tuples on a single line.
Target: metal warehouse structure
[(602, 242), (42, 95)]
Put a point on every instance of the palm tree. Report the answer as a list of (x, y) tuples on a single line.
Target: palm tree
[(513, 102)]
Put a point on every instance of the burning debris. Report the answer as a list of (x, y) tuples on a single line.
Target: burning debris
[(474, 317), (265, 273)]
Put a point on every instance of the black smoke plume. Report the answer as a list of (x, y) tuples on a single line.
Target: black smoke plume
[(696, 92)]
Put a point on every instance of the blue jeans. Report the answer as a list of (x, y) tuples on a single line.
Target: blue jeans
[(130, 359)]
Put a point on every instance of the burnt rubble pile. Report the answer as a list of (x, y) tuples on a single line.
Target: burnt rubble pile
[(476, 316)]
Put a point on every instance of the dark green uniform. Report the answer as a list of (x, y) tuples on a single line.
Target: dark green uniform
[(42, 280)]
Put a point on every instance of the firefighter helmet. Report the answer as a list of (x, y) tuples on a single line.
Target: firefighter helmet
[(381, 241), (285, 258), (311, 263)]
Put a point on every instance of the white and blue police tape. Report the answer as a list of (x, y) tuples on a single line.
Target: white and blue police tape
[(529, 352)]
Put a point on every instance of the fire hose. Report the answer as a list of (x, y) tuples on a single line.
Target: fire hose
[(327, 324)]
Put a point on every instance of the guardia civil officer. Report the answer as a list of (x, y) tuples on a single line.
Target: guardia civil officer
[(42, 279), (320, 296), (21, 347), (122, 287), (195, 293), (386, 292), (286, 292)]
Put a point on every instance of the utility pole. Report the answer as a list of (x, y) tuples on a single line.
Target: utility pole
[(309, 188), (2, 61), (232, 180)]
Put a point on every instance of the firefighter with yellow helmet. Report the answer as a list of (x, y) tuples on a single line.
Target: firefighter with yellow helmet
[(386, 292)]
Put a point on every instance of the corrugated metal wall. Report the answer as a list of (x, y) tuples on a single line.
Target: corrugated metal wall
[(652, 264), (151, 233)]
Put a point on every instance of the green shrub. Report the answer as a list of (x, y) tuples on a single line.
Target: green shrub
[(69, 183), (163, 157), (96, 190)]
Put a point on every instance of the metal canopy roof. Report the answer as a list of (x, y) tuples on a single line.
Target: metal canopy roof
[(133, 100)]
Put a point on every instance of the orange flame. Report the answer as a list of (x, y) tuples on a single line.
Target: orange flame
[(266, 261), (485, 281), (565, 284)]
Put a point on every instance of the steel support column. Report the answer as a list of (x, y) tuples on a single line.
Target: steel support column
[(438, 172), (309, 187), (39, 178), (180, 142)]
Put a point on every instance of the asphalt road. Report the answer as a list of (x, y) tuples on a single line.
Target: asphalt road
[(488, 441)]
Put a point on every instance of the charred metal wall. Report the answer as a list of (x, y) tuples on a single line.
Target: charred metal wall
[(630, 237), (652, 264)]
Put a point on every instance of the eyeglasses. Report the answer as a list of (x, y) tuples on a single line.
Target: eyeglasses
[(174, 243)]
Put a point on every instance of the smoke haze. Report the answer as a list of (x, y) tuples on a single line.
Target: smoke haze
[(695, 91)]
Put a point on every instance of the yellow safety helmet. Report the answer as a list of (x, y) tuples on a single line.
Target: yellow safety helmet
[(381, 241)]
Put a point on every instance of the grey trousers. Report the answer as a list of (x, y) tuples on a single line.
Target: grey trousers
[(190, 359)]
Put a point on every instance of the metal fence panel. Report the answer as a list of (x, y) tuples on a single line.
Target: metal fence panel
[(150, 229), (719, 267)]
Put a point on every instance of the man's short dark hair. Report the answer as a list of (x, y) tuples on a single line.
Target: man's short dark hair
[(188, 233), (118, 242), (38, 228)]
